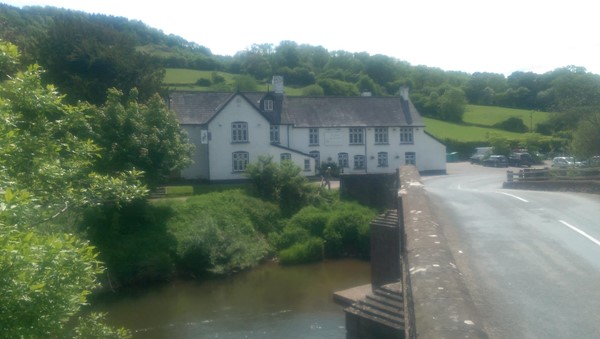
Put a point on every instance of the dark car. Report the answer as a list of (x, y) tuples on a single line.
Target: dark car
[(496, 161), (520, 159)]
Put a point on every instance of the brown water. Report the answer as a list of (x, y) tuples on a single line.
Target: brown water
[(270, 301)]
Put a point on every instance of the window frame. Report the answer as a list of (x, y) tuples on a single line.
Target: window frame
[(382, 159), (381, 136), (360, 162), (356, 136), (407, 135), (285, 156), (268, 105), (343, 160), (274, 135), (313, 136), (410, 158), (239, 132), (239, 161)]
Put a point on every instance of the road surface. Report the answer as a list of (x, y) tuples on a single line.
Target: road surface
[(530, 259)]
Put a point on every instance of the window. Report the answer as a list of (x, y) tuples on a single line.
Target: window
[(239, 132), (274, 134), (313, 136), (343, 160), (268, 105), (410, 158), (286, 156), (381, 135), (382, 159), (406, 135), (317, 156), (356, 136), (307, 164), (240, 161), (359, 162)]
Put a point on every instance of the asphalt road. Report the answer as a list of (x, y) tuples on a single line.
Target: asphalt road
[(530, 259)]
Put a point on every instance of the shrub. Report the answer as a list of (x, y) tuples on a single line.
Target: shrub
[(133, 241), (305, 252), (347, 231), (203, 82), (290, 235), (310, 219), (216, 233)]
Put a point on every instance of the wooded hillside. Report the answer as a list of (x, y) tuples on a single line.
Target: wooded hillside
[(85, 54)]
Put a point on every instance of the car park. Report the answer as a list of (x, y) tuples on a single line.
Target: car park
[(496, 161)]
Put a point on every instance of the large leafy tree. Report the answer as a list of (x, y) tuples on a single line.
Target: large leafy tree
[(139, 136), (586, 139), (84, 58), (46, 171)]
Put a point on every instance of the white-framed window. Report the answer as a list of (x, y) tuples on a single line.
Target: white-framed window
[(357, 136), (343, 160), (274, 132), (317, 156), (286, 156), (268, 105), (406, 135), (313, 136), (382, 159), (381, 136), (359, 162), (240, 161), (306, 165), (239, 131), (410, 158)]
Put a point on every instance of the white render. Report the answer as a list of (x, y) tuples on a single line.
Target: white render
[(213, 136)]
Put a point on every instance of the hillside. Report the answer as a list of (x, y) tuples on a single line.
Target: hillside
[(84, 55)]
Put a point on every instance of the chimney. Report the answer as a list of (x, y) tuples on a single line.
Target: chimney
[(277, 84), (404, 92)]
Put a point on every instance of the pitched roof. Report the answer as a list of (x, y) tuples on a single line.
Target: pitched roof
[(200, 107), (349, 111)]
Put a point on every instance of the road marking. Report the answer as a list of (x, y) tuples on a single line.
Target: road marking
[(592, 239), (513, 196)]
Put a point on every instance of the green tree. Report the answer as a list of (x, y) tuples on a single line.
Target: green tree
[(85, 57), (139, 136), (452, 105), (280, 183), (46, 171), (586, 139)]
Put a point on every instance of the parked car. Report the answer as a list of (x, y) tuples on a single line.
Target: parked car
[(496, 161), (520, 159), (480, 154), (563, 162)]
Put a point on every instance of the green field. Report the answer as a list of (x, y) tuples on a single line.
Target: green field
[(446, 130), (185, 79), (490, 115)]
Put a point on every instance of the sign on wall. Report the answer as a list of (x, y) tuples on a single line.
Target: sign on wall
[(204, 137), (333, 137)]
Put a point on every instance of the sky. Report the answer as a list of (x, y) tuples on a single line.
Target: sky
[(497, 36)]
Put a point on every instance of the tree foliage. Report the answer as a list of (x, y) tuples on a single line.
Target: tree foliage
[(145, 137), (281, 183), (586, 140), (46, 171)]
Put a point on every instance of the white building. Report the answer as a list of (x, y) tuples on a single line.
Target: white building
[(361, 134)]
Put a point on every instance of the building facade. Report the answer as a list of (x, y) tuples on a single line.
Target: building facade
[(360, 134)]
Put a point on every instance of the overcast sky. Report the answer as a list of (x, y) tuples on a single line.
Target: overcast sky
[(461, 35)]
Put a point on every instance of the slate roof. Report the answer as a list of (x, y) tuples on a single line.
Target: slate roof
[(200, 107)]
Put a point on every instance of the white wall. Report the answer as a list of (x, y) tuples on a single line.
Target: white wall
[(199, 168), (221, 147)]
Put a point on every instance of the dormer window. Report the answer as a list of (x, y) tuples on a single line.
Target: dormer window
[(268, 105)]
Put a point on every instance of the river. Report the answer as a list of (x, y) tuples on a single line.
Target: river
[(270, 301)]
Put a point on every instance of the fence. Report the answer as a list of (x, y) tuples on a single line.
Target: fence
[(534, 174)]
